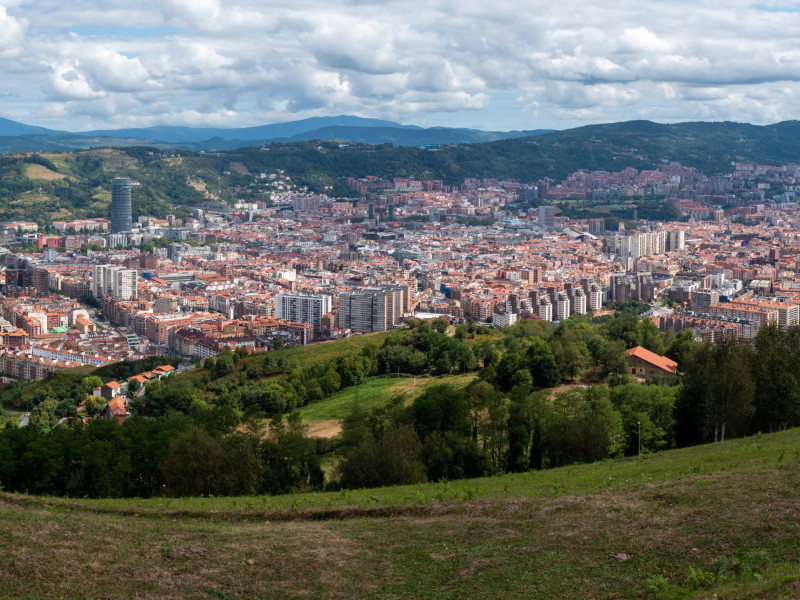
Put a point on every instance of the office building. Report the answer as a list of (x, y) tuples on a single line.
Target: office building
[(121, 220)]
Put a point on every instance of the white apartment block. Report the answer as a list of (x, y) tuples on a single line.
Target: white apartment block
[(545, 309), (501, 319), (562, 306), (634, 244), (595, 297), (578, 302), (114, 279), (303, 308)]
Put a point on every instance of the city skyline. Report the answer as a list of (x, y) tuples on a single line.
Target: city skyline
[(501, 66)]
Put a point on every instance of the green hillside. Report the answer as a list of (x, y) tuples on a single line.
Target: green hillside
[(712, 521), (376, 392), (57, 185)]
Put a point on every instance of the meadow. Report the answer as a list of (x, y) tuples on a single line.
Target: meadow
[(717, 519)]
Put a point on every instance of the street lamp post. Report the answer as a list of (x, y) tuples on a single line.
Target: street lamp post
[(639, 424)]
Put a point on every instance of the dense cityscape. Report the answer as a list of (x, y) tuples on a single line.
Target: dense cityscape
[(307, 268)]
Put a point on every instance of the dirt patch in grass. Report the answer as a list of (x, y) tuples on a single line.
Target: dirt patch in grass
[(240, 168), (324, 429), (200, 186)]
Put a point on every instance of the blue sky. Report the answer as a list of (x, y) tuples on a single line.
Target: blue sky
[(467, 63)]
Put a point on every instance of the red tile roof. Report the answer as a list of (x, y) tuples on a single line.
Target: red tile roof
[(662, 362)]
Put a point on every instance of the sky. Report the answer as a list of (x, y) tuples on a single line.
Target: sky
[(499, 64)]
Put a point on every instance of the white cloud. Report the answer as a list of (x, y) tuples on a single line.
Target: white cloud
[(12, 35), (245, 61)]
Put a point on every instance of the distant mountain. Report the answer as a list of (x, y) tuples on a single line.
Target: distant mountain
[(344, 128), (179, 135), (410, 137), (398, 136), (12, 128), (64, 142), (524, 155), (168, 186)]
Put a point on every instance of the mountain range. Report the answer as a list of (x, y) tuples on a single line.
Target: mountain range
[(20, 137), (49, 186)]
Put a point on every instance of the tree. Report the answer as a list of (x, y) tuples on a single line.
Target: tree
[(731, 388), (508, 365), (277, 343), (649, 409), (290, 464), (440, 325), (682, 348), (195, 465), (694, 400), (540, 362), (330, 382), (582, 426), (393, 459), (92, 405), (776, 369), (613, 358), (441, 408), (451, 456), (570, 354), (90, 383), (650, 337), (717, 395), (224, 364)]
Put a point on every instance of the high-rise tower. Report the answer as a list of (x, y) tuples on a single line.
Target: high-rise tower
[(121, 204)]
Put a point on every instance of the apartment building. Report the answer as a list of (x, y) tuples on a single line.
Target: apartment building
[(114, 279), (303, 308), (547, 217), (370, 309)]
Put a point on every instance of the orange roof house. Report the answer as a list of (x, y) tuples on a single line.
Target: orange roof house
[(115, 410), (645, 364), (110, 390)]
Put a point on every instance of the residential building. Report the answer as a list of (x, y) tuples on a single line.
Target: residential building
[(303, 308)]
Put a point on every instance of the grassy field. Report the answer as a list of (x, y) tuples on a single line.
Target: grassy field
[(720, 519), (376, 392), (322, 351), (41, 172)]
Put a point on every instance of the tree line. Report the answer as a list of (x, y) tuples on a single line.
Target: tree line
[(204, 434)]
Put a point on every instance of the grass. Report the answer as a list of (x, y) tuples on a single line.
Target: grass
[(617, 529), (40, 172), (376, 392), (300, 356), (322, 351)]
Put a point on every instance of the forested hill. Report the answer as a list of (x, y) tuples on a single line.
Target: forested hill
[(710, 147), (57, 185)]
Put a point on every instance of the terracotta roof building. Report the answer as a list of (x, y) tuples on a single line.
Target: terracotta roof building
[(645, 364)]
